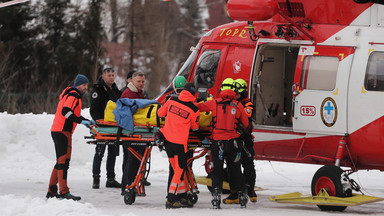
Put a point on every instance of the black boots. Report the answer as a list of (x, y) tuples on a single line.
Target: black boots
[(69, 196), (52, 192), (184, 200), (112, 183), (146, 183), (172, 202), (96, 182), (243, 199), (216, 198)]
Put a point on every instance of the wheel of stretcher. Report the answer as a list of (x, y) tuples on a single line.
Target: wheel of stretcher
[(329, 178), (129, 197), (193, 198)]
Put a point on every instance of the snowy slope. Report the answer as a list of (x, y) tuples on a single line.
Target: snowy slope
[(27, 157)]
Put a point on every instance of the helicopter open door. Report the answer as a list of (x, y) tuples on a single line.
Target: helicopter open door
[(320, 89)]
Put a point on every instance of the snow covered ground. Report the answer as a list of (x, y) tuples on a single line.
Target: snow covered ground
[(27, 156)]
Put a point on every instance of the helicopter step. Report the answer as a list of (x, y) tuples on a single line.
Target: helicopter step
[(323, 198)]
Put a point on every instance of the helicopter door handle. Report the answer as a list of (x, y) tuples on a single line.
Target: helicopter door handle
[(293, 108)]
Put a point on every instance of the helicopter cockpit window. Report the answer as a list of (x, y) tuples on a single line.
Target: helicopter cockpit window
[(206, 69), (374, 75), (319, 73), (184, 70)]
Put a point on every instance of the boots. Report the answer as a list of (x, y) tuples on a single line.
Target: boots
[(96, 182), (184, 200), (112, 183), (252, 195), (52, 192), (232, 198), (172, 202), (146, 183), (216, 198), (70, 196), (243, 199)]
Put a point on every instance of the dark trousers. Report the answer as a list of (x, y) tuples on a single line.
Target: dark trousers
[(63, 148), (111, 160), (131, 165), (229, 152), (247, 160)]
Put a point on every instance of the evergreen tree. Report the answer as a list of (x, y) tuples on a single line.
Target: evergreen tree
[(57, 66), (92, 37), (17, 45)]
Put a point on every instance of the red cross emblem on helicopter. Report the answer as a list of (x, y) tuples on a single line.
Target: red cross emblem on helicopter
[(237, 67)]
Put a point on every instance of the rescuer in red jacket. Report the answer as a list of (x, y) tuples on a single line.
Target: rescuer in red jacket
[(182, 115), (247, 152), (228, 116), (66, 118)]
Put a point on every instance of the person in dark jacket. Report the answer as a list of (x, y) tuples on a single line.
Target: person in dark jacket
[(68, 115), (104, 90), (129, 79)]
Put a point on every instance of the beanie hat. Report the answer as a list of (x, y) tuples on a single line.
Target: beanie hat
[(130, 73), (190, 87), (80, 80)]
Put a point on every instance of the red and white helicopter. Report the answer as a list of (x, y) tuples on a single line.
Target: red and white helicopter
[(316, 77)]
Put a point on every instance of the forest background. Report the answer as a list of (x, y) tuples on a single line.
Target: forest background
[(44, 44)]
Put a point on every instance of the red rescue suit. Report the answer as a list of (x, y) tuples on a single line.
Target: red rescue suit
[(227, 113)]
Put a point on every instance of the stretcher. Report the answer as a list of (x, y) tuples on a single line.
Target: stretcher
[(109, 133)]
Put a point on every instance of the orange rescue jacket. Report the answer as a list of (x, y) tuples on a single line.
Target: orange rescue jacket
[(68, 111), (182, 115)]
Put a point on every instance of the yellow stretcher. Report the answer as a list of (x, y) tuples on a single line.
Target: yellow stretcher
[(323, 198), (208, 182)]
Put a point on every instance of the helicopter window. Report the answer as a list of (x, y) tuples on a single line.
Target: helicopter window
[(184, 71), (319, 73), (206, 69), (374, 76)]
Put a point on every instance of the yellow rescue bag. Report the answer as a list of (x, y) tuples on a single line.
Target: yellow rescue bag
[(108, 114), (148, 116), (205, 117)]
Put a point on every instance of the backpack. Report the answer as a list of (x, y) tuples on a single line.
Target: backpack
[(226, 115)]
